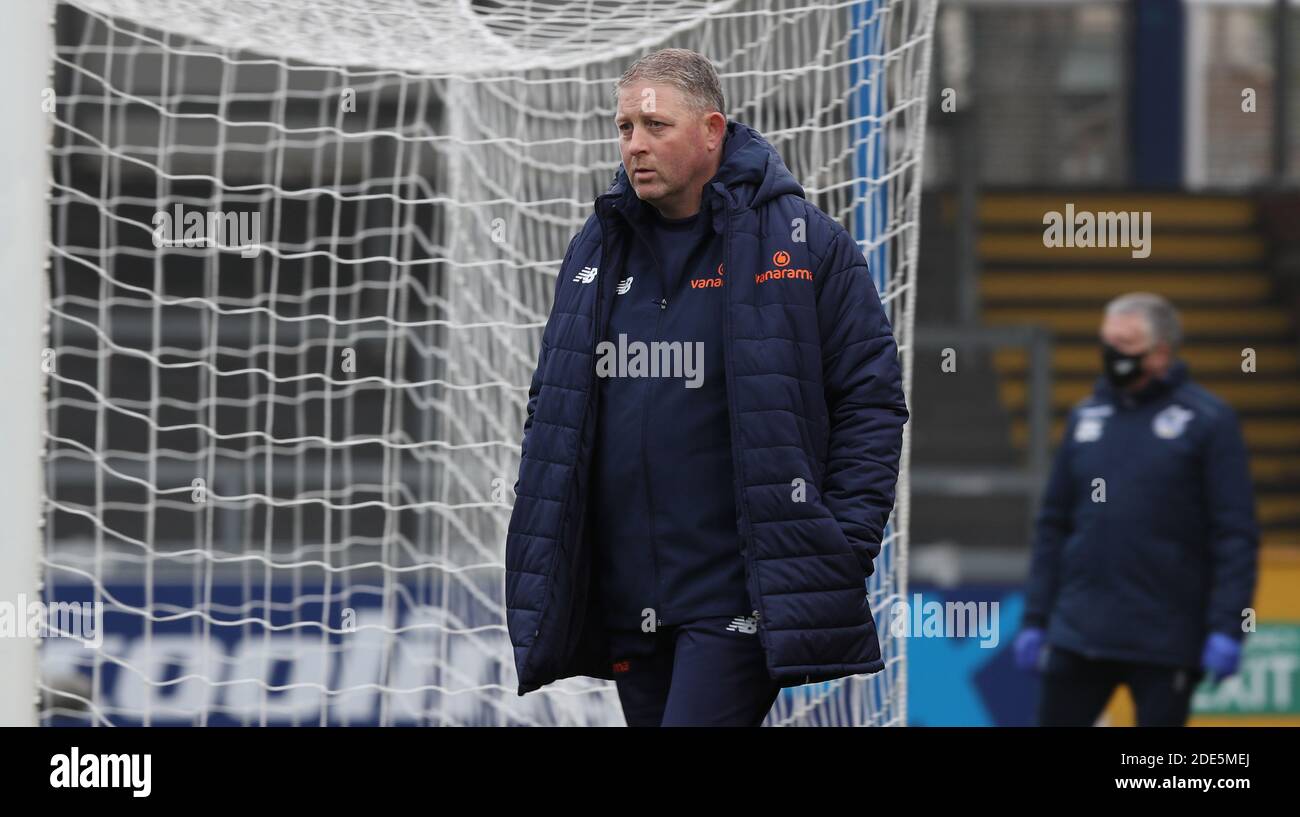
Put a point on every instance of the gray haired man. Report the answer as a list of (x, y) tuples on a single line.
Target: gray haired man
[(1146, 546)]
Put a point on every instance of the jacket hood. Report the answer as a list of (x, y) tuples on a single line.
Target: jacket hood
[(750, 174)]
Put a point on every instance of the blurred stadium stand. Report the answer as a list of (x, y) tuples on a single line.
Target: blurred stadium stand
[(1045, 109)]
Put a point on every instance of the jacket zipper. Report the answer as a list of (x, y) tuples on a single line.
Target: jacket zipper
[(645, 467), (738, 487)]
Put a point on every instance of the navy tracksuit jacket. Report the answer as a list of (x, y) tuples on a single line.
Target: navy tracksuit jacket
[(1170, 555)]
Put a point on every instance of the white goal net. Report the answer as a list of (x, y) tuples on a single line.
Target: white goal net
[(301, 255)]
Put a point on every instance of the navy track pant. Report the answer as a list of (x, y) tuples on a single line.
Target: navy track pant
[(709, 672), (1076, 689)]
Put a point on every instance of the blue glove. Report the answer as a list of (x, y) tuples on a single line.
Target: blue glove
[(1028, 646), (1221, 656)]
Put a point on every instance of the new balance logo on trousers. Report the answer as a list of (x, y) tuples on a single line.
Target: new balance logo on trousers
[(707, 672)]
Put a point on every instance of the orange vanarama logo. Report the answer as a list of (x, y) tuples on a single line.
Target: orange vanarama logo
[(701, 283), (780, 270)]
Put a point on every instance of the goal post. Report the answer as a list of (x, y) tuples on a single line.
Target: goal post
[(25, 41), (299, 267)]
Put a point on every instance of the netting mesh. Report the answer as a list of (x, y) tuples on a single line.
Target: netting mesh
[(280, 454)]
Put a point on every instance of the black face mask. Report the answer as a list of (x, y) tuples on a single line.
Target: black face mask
[(1121, 369)]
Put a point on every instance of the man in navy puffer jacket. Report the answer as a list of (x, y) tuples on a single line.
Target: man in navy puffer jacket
[(713, 429), (1145, 557)]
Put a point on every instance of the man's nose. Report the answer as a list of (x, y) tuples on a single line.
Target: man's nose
[(635, 145)]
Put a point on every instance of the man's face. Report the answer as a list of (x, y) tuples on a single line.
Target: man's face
[(1128, 332), (669, 148)]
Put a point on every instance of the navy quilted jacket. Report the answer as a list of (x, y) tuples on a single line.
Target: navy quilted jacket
[(817, 414)]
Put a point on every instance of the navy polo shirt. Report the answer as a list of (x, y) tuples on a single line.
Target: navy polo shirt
[(663, 511)]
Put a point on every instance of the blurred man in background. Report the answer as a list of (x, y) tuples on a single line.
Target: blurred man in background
[(1146, 546)]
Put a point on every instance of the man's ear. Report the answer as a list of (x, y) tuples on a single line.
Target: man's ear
[(716, 124), (1162, 354)]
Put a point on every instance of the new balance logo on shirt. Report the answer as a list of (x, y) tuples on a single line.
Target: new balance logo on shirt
[(624, 285), (585, 276)]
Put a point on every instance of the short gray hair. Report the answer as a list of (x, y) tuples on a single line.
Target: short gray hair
[(688, 71), (1161, 318)]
